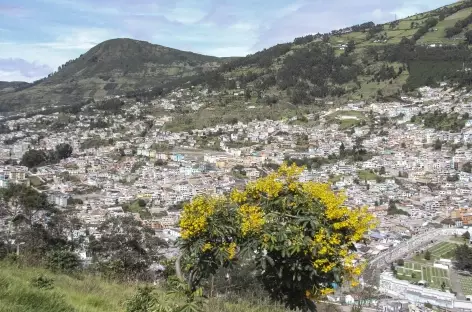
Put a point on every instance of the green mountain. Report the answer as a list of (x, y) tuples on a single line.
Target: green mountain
[(361, 62), (112, 67), (365, 61), (12, 86)]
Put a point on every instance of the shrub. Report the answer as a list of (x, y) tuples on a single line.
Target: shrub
[(42, 282), (62, 261), (300, 235)]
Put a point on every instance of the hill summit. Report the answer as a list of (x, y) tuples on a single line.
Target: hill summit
[(112, 67)]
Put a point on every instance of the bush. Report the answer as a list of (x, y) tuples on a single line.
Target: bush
[(62, 261), (300, 236), (42, 282), (143, 301)]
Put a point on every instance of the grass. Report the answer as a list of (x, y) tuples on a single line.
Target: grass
[(366, 175), (466, 285), (35, 181), (433, 276), (69, 294), (89, 294), (444, 250)]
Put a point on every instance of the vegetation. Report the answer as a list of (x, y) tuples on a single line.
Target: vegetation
[(34, 158), (226, 231), (453, 122), (463, 256), (393, 210)]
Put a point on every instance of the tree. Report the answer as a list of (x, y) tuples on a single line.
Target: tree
[(143, 301), (443, 286), (342, 150), (463, 256), (33, 158), (427, 255), (466, 236), (467, 167), (63, 151), (126, 248), (382, 170), (351, 46), (437, 144), (403, 145), (141, 202), (468, 37), (254, 225), (413, 275), (62, 261), (31, 220), (401, 262)]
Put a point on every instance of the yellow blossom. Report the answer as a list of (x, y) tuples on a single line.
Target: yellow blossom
[(326, 291), (252, 219), (194, 218), (231, 250), (206, 247)]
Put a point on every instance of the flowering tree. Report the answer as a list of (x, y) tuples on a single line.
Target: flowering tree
[(299, 234)]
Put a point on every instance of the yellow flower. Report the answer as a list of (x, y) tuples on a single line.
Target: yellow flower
[(326, 291), (231, 251), (207, 247), (238, 197), (354, 283), (290, 172), (252, 219), (194, 218), (307, 294)]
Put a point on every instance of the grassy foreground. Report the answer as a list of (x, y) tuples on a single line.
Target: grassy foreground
[(88, 294), (83, 294)]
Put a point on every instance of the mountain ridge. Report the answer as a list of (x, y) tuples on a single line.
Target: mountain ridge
[(361, 62), (112, 67)]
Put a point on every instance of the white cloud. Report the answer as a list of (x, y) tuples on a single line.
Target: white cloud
[(228, 51), (16, 76), (185, 15)]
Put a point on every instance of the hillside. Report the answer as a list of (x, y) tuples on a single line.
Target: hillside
[(361, 62), (112, 67), (11, 86), (18, 293)]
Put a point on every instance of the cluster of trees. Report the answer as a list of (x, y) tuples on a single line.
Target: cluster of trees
[(111, 105), (451, 9), (34, 158), (438, 120), (373, 31), (393, 210), (463, 256), (314, 71), (263, 58), (457, 28), (309, 163), (429, 23), (386, 72), (42, 235)]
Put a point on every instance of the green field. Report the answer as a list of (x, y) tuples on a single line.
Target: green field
[(443, 250), (415, 272), (466, 284), (366, 175)]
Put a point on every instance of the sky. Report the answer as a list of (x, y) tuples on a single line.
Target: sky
[(37, 36)]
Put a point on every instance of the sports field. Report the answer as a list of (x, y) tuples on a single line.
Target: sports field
[(415, 272)]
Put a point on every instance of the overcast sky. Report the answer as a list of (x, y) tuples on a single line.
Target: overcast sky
[(36, 36)]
